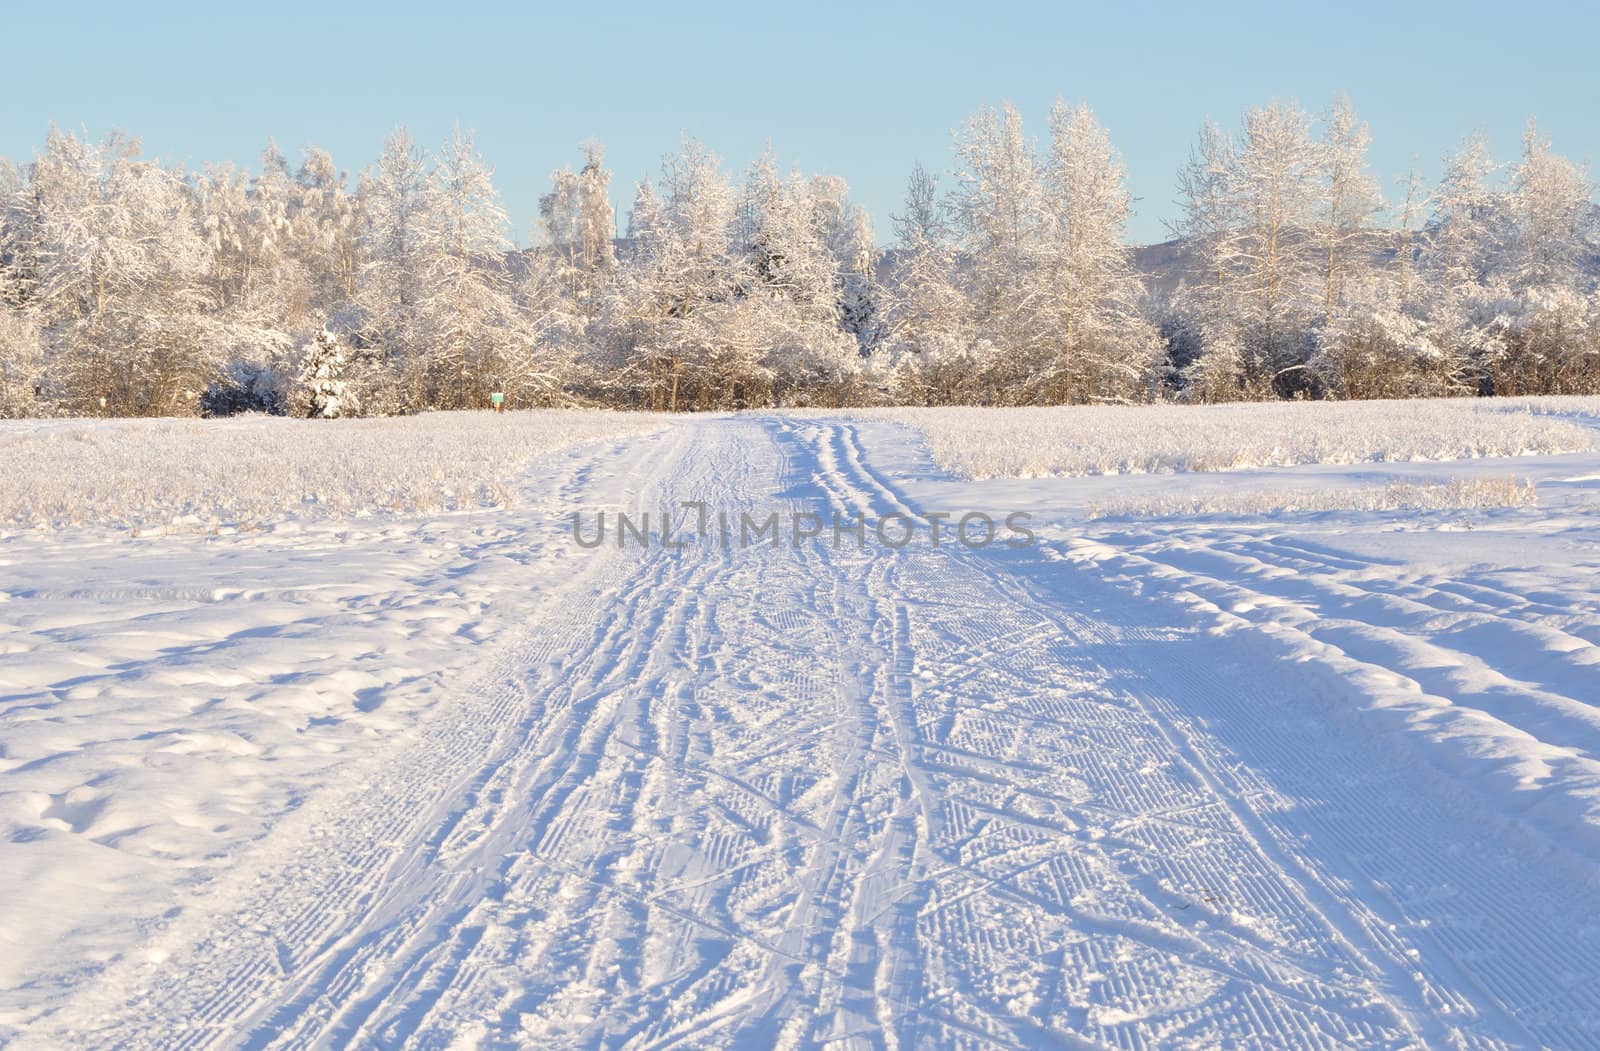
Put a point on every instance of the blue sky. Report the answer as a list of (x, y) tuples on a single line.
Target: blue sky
[(861, 90)]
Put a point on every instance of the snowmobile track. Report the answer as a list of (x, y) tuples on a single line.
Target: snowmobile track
[(800, 795)]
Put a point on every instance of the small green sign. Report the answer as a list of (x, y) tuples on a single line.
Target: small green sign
[(497, 399)]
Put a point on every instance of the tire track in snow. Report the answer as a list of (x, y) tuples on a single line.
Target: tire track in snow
[(1486, 900), (292, 906), (798, 796)]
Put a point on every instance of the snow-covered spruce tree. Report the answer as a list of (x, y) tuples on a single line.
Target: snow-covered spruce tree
[(322, 389), (1100, 345)]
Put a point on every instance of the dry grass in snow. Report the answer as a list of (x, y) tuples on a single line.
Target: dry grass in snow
[(1455, 495), (243, 471), (1154, 439)]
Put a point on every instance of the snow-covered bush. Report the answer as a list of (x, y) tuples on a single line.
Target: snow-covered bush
[(1551, 346), (247, 386), (21, 362)]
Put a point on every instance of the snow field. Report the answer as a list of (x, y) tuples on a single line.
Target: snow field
[(1326, 780), (244, 472), (167, 700), (1457, 494), (1154, 439)]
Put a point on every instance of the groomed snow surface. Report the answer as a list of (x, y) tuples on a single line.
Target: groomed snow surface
[(1224, 759)]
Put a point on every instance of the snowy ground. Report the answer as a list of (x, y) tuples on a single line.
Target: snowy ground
[(1165, 439), (249, 472), (1281, 779)]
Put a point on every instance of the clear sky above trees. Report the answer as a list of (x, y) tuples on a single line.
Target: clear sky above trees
[(858, 90)]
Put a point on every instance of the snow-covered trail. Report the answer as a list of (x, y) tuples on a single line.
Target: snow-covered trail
[(799, 795)]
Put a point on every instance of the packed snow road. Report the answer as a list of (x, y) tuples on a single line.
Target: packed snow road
[(800, 794)]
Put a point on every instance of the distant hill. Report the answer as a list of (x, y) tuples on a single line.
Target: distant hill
[(1163, 266)]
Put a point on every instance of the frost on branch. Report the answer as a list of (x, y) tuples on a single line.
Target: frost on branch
[(133, 287)]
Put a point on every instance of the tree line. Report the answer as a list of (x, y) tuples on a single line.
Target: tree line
[(131, 287)]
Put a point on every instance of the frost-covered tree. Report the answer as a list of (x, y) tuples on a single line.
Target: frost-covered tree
[(1550, 346), (804, 309), (578, 228), (1347, 202), (1549, 251), (1413, 204), (1364, 344), (847, 233), (127, 286), (399, 234), (246, 226), (465, 314), (788, 251), (1275, 175), (998, 216), (1460, 238), (326, 233), (21, 338), (119, 280), (258, 290), (684, 273), (1098, 345), (1552, 218), (743, 298), (927, 312), (1051, 292), (1211, 363), (1459, 249)]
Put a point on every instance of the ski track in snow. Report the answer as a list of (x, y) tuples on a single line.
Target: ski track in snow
[(805, 796)]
